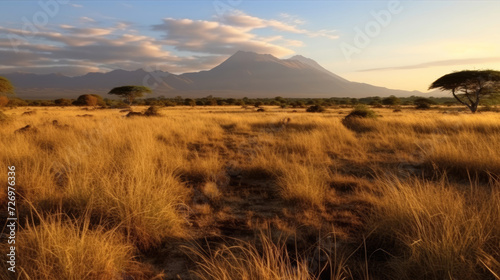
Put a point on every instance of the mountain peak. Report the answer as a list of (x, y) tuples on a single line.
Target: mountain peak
[(245, 56)]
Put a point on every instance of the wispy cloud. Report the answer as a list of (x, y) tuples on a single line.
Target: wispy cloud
[(289, 24), (87, 20), (438, 63)]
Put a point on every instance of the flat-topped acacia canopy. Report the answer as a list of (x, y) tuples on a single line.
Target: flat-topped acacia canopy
[(469, 86), (130, 92)]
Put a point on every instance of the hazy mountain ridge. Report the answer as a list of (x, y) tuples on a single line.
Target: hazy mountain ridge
[(243, 74)]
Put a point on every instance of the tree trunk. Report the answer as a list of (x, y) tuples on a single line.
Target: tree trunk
[(473, 108), (476, 103), (459, 100)]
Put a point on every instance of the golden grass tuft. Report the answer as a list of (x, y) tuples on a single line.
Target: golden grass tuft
[(58, 248), (432, 230), (304, 183), (246, 262)]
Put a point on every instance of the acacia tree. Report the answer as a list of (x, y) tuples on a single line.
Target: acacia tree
[(130, 92), (469, 86)]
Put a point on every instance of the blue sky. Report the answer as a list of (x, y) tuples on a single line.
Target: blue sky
[(396, 44)]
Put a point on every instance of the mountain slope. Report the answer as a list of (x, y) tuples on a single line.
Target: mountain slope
[(243, 74)]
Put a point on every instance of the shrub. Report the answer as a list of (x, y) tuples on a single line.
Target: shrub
[(423, 106), (133, 114), (423, 103), (361, 111), (298, 104), (152, 112), (391, 100), (63, 102), (315, 109), (261, 110), (169, 103), (190, 102), (356, 119), (89, 100)]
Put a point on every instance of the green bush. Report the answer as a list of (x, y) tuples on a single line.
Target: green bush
[(152, 112), (169, 103), (423, 106), (362, 111), (315, 109), (423, 103)]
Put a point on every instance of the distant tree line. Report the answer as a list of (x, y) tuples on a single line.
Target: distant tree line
[(95, 100)]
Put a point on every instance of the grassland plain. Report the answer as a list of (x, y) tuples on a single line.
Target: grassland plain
[(230, 193)]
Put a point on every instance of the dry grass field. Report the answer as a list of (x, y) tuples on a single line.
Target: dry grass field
[(231, 193)]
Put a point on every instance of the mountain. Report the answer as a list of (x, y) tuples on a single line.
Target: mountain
[(243, 74), (315, 65)]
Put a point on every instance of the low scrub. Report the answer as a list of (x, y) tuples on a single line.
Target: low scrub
[(316, 109), (362, 111), (355, 120), (152, 112)]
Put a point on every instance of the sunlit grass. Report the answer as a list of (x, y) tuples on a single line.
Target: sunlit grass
[(135, 179)]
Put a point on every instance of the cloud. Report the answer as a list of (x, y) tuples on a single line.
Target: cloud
[(212, 37), (86, 32), (90, 45), (76, 5), (437, 64), (233, 31), (292, 19), (68, 47), (87, 20), (79, 50), (290, 24)]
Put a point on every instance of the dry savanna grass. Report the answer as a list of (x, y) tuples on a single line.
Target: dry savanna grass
[(406, 195)]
